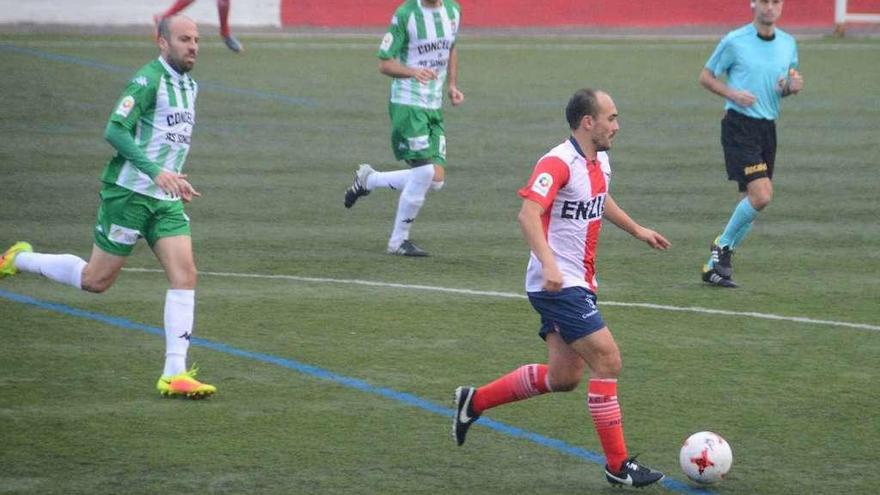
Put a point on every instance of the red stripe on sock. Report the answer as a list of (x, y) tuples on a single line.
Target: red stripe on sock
[(608, 420), (524, 382)]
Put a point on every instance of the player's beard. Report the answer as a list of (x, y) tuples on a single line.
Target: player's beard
[(603, 145), (179, 64)]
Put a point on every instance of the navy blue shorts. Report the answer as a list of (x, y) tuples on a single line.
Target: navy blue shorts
[(572, 312), (749, 148)]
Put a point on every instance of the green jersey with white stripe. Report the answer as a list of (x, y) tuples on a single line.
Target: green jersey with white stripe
[(158, 108), (421, 37)]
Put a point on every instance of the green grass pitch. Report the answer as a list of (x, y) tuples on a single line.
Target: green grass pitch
[(279, 132)]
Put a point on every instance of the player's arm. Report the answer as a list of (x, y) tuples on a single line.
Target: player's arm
[(622, 220), (392, 67), (120, 138), (172, 183), (740, 97), (455, 95), (389, 55), (533, 231)]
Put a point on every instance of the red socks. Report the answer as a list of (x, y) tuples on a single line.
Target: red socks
[(177, 7), (223, 12), (605, 410), (531, 380), (524, 382)]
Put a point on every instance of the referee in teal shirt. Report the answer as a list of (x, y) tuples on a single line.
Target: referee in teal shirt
[(759, 62)]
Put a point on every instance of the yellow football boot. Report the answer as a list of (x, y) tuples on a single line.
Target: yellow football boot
[(185, 385), (7, 265)]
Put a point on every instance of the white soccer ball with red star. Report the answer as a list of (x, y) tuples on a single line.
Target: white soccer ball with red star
[(705, 457)]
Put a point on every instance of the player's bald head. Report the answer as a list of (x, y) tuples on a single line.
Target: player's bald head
[(172, 23)]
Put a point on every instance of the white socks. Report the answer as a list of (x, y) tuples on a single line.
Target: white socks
[(63, 268), (179, 313), (395, 179), (411, 199)]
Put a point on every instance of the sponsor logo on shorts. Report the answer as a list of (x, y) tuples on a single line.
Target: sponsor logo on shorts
[(418, 143), (754, 169), (387, 40), (125, 106), (123, 235), (542, 184)]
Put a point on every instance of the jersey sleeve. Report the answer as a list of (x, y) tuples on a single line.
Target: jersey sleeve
[(393, 40), (722, 58), (549, 175), (136, 99)]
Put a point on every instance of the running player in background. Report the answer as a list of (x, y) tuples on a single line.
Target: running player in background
[(760, 63), (142, 196), (418, 52), (223, 13), (561, 216)]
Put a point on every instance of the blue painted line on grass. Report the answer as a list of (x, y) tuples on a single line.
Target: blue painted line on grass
[(321, 373), (84, 62)]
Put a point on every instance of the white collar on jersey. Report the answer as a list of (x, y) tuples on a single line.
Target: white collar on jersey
[(169, 68)]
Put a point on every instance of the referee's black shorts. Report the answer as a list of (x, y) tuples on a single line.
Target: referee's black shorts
[(749, 147)]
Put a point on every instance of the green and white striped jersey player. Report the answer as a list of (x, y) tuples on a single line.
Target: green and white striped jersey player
[(142, 197), (158, 107), (419, 53)]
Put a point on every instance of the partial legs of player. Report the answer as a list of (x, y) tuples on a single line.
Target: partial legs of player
[(98, 275), (566, 364), (229, 40), (414, 183)]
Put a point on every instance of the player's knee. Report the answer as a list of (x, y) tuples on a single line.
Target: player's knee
[(565, 381), (566, 384), (608, 366), (439, 178), (760, 201), (96, 285), (185, 279), (612, 369)]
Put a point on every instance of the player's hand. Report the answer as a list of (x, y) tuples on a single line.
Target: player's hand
[(455, 96), (552, 279), (188, 192), (742, 98), (795, 81), (424, 75), (175, 185), (653, 238)]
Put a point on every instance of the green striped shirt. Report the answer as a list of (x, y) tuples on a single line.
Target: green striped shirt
[(158, 108), (421, 37)]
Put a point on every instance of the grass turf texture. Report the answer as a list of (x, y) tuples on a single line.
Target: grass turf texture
[(797, 401)]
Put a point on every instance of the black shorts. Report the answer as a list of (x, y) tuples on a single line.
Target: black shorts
[(749, 147)]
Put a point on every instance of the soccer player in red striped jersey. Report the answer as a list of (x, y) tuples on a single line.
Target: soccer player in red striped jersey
[(561, 216), (222, 11)]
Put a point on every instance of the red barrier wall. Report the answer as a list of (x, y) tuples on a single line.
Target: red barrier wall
[(546, 13)]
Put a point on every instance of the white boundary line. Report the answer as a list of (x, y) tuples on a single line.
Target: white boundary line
[(512, 295)]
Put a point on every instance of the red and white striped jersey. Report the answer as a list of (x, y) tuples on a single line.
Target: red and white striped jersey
[(572, 190)]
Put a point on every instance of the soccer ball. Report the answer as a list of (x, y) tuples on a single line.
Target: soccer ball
[(705, 457)]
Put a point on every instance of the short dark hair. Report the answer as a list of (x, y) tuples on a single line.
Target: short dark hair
[(164, 28), (581, 104)]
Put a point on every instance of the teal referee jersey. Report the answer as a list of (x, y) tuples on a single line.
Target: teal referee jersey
[(755, 65)]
